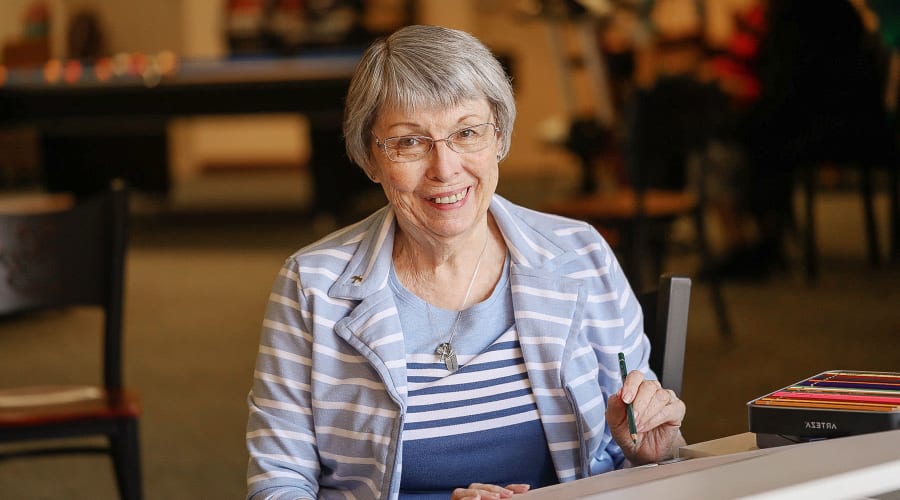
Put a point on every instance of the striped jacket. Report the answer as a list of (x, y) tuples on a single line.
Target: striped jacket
[(328, 400)]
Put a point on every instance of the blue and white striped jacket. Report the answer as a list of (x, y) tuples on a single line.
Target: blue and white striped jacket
[(328, 400)]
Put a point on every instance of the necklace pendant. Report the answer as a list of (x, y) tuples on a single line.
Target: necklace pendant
[(448, 356)]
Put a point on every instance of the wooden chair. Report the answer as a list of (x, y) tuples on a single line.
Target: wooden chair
[(665, 323), (57, 252), (626, 217)]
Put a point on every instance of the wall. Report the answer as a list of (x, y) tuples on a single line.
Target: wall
[(147, 26), (11, 14), (137, 25)]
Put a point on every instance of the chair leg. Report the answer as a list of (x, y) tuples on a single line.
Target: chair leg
[(126, 456), (718, 300), (715, 283), (894, 217), (635, 244), (869, 217), (812, 258)]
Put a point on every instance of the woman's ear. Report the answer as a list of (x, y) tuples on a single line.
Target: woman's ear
[(373, 174)]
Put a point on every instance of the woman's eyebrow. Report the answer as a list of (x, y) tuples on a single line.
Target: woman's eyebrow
[(460, 123)]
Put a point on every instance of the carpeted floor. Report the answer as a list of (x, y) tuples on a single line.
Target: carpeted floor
[(195, 297)]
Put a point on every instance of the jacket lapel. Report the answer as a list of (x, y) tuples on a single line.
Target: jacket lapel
[(373, 327), (548, 309)]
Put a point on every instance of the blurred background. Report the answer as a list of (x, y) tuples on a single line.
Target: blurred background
[(223, 116)]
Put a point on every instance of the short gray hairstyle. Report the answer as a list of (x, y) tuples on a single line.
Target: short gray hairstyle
[(421, 67)]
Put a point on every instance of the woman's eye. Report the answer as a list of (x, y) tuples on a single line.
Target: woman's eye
[(466, 133), (407, 142)]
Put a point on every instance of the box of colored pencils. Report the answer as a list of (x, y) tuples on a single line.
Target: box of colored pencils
[(831, 404)]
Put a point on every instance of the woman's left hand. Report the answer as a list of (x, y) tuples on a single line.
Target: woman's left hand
[(480, 491), (657, 415)]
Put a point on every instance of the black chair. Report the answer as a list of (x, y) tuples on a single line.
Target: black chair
[(665, 323), (826, 99), (808, 178), (59, 252)]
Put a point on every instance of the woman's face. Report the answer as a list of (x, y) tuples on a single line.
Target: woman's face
[(446, 193)]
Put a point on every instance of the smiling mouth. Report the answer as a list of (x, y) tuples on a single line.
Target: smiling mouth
[(453, 198)]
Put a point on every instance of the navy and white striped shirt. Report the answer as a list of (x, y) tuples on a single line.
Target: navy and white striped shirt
[(476, 424)]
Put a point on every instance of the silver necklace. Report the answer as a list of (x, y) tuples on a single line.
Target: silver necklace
[(445, 349)]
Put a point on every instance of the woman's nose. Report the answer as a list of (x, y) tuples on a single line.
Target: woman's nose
[(444, 163)]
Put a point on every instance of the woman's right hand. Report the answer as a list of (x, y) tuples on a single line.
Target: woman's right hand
[(479, 491)]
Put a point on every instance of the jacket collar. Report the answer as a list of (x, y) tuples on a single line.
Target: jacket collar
[(369, 267)]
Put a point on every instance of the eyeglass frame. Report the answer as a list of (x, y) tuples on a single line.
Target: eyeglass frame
[(381, 143)]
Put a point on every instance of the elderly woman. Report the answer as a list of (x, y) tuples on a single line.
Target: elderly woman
[(452, 344)]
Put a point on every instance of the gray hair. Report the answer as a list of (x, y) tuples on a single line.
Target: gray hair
[(421, 67)]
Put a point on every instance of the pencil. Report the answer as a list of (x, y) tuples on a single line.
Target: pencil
[(624, 371)]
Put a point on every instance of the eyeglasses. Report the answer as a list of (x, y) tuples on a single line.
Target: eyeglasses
[(407, 148)]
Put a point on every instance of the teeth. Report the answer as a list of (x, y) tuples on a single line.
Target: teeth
[(453, 198)]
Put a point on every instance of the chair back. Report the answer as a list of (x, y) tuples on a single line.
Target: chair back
[(68, 252), (665, 323)]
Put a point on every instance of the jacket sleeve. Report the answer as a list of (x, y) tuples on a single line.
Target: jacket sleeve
[(281, 440), (631, 341)]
